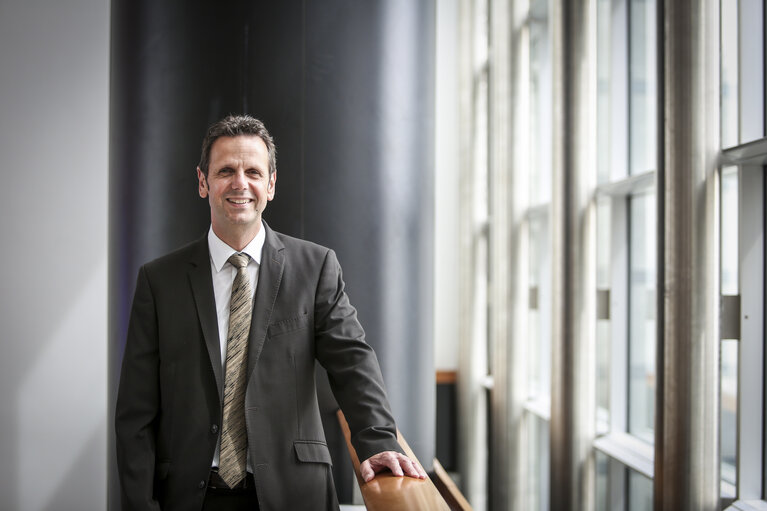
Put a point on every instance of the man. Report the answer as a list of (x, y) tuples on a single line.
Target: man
[(217, 405)]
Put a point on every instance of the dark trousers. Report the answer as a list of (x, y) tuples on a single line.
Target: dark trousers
[(234, 502), (220, 498)]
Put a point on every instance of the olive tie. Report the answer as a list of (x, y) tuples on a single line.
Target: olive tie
[(234, 441)]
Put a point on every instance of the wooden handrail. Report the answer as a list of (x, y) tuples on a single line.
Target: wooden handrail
[(387, 492), (452, 495), (447, 377)]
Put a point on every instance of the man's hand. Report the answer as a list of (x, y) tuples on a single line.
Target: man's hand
[(399, 464)]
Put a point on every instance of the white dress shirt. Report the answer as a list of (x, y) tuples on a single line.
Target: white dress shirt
[(223, 274)]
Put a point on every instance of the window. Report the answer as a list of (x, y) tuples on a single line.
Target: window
[(627, 260), (539, 114), (729, 344), (627, 106), (642, 301), (742, 382)]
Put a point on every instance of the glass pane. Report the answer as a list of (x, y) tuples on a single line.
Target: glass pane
[(540, 105), (603, 376), (602, 493), (611, 493), (539, 306), (729, 227), (603, 243), (640, 492), (603, 90), (537, 463), (729, 348), (729, 413), (751, 69), (603, 325), (642, 300), (481, 177), (729, 73), (642, 86)]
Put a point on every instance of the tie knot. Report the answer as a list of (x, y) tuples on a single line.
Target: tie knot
[(239, 260)]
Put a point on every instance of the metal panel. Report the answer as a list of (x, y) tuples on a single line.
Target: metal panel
[(603, 304), (729, 317)]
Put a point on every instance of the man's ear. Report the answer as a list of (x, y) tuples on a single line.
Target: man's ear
[(272, 184), (202, 183)]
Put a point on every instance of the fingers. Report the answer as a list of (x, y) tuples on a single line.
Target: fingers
[(417, 470), (387, 459), (399, 465), (366, 471), (413, 468)]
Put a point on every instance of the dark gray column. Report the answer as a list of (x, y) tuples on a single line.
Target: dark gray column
[(346, 88)]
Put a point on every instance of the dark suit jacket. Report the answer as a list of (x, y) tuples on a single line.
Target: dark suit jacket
[(169, 410)]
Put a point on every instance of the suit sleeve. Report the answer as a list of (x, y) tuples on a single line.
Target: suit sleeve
[(138, 402), (352, 366)]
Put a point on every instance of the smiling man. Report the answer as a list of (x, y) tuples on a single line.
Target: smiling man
[(238, 182), (217, 406)]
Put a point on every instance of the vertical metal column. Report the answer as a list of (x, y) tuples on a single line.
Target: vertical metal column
[(573, 256), (505, 410), (472, 271), (687, 419)]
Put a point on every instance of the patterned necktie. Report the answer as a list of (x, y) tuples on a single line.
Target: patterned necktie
[(234, 441)]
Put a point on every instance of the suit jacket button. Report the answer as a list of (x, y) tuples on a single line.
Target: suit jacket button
[(201, 485), (214, 429)]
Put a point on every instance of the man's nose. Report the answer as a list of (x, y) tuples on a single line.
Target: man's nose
[(238, 181)]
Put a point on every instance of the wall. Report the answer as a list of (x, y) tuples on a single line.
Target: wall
[(446, 193), (53, 200)]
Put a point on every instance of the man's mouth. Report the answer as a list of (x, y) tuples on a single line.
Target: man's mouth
[(239, 201)]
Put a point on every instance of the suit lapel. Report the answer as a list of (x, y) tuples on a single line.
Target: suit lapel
[(269, 278), (202, 289)]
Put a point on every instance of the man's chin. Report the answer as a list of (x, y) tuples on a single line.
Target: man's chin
[(244, 220)]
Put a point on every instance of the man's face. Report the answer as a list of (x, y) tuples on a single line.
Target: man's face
[(238, 185)]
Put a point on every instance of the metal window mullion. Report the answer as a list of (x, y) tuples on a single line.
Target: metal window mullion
[(507, 392), (573, 225), (472, 448)]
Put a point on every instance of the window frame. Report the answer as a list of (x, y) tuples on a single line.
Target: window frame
[(617, 443), (625, 452), (751, 479)]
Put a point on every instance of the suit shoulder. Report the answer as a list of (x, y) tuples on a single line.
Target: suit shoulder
[(171, 260), (299, 245)]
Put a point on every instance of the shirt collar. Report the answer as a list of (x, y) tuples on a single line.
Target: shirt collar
[(220, 251)]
